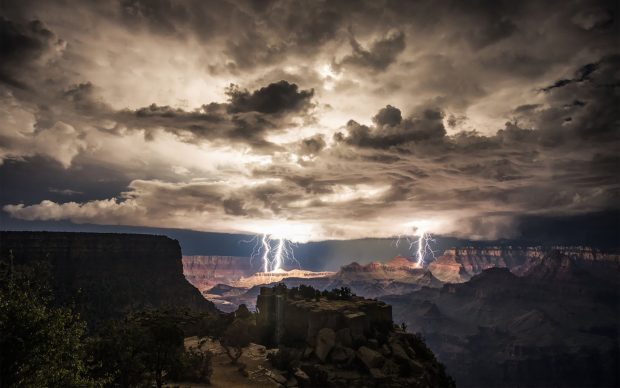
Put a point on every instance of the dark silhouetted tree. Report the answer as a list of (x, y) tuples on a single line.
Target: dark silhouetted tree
[(40, 344)]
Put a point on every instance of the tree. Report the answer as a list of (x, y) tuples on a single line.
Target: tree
[(235, 338), (238, 334), (40, 344), (117, 355), (163, 345), (197, 366), (140, 349)]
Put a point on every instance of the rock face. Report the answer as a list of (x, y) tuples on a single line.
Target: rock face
[(397, 276), (325, 341), (297, 319), (554, 325), (204, 272), (344, 342), (261, 278), (458, 265), (107, 275)]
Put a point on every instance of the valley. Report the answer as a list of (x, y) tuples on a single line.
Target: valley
[(514, 316)]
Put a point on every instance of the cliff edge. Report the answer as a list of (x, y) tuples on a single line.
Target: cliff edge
[(107, 275)]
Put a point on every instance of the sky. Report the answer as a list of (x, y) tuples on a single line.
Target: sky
[(311, 120)]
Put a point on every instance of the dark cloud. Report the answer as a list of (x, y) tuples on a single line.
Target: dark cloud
[(312, 145), (391, 131), (234, 206), (593, 18), (209, 122), (23, 45), (582, 107), (161, 16), (276, 98), (498, 28), (505, 110), (246, 117), (581, 75), (379, 56), (389, 116), (51, 181)]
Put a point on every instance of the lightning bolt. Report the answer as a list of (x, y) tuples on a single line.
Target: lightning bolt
[(277, 257), (272, 258), (267, 248), (424, 247), (420, 242)]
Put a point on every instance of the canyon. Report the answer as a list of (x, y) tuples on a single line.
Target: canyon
[(549, 321), (494, 315)]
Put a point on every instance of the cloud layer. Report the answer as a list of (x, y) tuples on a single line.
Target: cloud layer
[(311, 120)]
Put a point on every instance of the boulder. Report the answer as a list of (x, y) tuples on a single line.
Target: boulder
[(275, 376), (342, 355), (416, 367), (376, 373), (325, 341), (343, 337), (390, 368), (370, 358), (373, 343), (301, 376), (399, 352), (292, 382)]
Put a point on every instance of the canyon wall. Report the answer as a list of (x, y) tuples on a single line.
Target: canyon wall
[(204, 272), (107, 275), (458, 265)]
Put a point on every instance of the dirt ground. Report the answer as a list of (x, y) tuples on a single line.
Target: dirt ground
[(226, 375)]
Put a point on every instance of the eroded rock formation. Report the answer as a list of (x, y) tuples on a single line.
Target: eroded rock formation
[(327, 341), (458, 265), (397, 276), (205, 272)]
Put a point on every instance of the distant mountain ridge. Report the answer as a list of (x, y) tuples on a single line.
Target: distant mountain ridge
[(457, 265), (399, 275)]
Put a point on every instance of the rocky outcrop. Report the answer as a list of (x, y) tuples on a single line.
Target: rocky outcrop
[(397, 276), (447, 269), (204, 272), (299, 319), (458, 265), (108, 275), (331, 340)]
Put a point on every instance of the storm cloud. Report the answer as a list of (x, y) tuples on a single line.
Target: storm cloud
[(313, 120)]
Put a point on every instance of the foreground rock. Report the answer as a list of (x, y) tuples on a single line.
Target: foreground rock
[(337, 339)]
